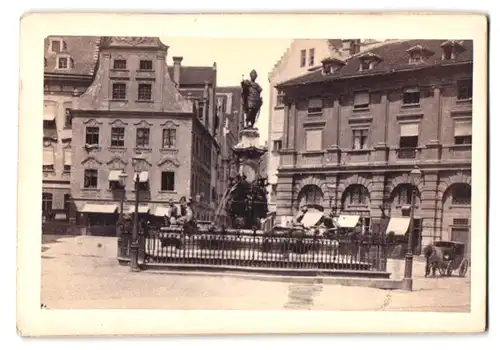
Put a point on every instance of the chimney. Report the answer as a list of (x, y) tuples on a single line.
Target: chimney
[(350, 47), (177, 69)]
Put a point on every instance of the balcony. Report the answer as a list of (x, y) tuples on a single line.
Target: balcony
[(404, 155), (119, 73), (407, 153), (457, 152), (145, 74), (357, 156)]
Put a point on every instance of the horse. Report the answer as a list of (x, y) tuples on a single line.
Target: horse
[(434, 259)]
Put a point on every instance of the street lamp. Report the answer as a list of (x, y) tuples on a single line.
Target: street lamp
[(123, 181), (332, 188), (415, 175), (134, 246)]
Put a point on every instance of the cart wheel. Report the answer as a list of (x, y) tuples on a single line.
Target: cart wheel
[(449, 268), (464, 266)]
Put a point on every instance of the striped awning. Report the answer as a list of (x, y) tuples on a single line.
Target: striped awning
[(66, 134), (311, 217), (348, 221), (114, 175), (143, 176), (99, 208), (142, 209), (398, 225)]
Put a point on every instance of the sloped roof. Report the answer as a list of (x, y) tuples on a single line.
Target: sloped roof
[(82, 49), (191, 75), (130, 42), (236, 98), (394, 57)]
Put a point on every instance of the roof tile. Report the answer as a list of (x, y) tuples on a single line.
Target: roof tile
[(394, 57), (82, 49)]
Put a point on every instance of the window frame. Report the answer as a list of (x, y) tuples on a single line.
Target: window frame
[(412, 96), (315, 110), (68, 118), (363, 136), (47, 198), (145, 138), (169, 134), (90, 178), (461, 199), (303, 58), (142, 63), (119, 60), (117, 136), (468, 85), (59, 41), (144, 95), (66, 58), (116, 92), (92, 132), (364, 106), (164, 181), (311, 57)]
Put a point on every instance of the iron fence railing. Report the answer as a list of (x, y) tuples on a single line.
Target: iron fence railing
[(251, 249)]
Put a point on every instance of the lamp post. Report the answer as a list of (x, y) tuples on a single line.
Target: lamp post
[(134, 246), (332, 188), (415, 174), (123, 180)]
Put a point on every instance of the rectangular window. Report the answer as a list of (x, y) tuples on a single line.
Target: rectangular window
[(311, 57), (463, 132), (461, 222), (92, 135), (169, 136), (167, 181), (302, 58), (411, 96), (46, 202), (119, 91), (464, 90), (67, 202), (90, 178), (119, 64), (362, 100), (144, 92), (314, 140), (199, 108), (142, 138), (315, 106), (146, 65), (62, 62), (277, 145), (55, 46), (408, 142), (415, 58), (117, 137), (359, 138), (280, 99), (461, 194), (68, 120)]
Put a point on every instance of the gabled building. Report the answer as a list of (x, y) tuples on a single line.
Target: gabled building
[(134, 120), (198, 85), (69, 67), (354, 130), (302, 57)]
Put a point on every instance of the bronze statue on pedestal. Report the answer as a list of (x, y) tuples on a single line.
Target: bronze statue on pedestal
[(252, 101)]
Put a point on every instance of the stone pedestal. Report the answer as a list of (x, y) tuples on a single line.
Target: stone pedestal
[(248, 138)]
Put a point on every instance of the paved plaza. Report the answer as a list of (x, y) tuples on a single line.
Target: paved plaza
[(82, 272)]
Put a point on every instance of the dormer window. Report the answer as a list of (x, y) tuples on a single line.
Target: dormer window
[(368, 61), (64, 62), (57, 45), (418, 54), (331, 65), (451, 49)]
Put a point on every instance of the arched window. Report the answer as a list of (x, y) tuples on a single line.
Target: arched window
[(461, 194), (356, 195), (403, 194), (310, 195)]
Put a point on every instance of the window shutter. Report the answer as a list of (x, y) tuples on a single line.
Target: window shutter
[(314, 140), (361, 98), (48, 156), (409, 129), (67, 157), (463, 128)]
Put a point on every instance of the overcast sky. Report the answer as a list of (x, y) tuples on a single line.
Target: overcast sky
[(234, 57)]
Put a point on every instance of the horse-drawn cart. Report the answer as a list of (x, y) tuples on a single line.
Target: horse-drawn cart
[(447, 256)]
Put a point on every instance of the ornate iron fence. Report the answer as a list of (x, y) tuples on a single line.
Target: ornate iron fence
[(258, 249)]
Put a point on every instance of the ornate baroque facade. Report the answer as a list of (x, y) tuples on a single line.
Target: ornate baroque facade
[(133, 119), (355, 128)]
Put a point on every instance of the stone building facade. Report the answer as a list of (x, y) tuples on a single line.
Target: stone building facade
[(198, 84), (133, 120), (69, 66), (354, 129), (301, 57)]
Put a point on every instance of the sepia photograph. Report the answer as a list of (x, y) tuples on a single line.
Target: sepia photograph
[(281, 174)]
